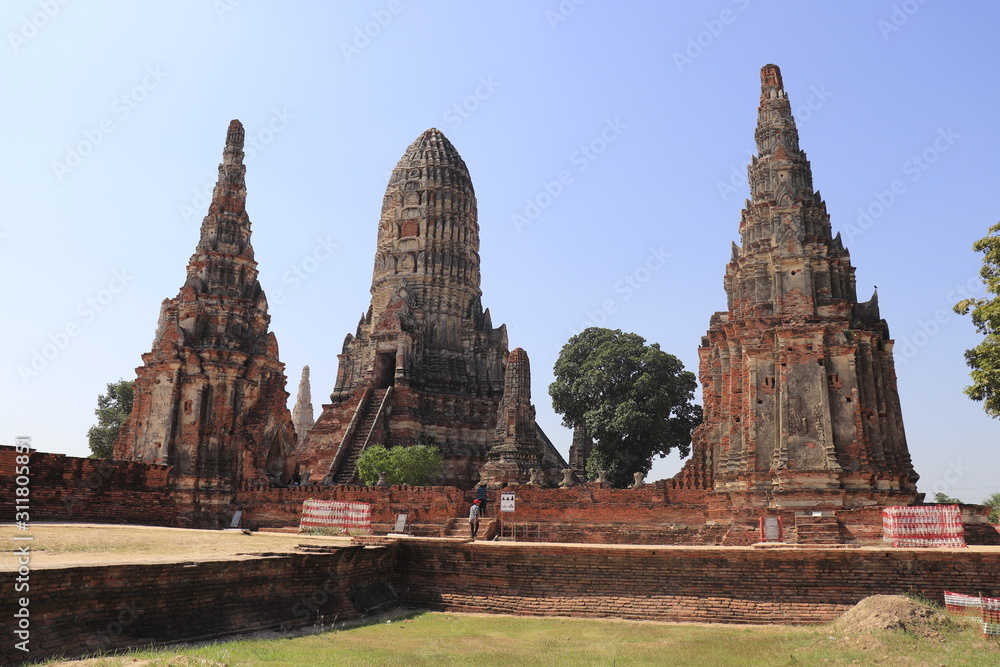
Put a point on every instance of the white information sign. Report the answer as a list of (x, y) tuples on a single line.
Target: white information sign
[(506, 501)]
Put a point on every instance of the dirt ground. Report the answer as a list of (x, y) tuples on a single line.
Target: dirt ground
[(69, 545)]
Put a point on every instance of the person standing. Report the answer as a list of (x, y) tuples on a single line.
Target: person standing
[(481, 497), (474, 519)]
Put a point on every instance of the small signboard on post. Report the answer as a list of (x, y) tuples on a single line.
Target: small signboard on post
[(507, 504), (507, 500), (771, 529)]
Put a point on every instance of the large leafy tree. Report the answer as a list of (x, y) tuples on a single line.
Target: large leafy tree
[(113, 408), (984, 359), (994, 502), (634, 400), (418, 465)]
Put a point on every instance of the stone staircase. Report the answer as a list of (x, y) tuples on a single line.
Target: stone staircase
[(817, 530), (347, 472), (459, 528)]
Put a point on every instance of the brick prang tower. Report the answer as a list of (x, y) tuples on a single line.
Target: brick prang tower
[(426, 364), (801, 405), (302, 413), (210, 397), (519, 444)]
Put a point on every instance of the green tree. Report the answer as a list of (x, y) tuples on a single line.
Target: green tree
[(113, 409), (944, 499), (418, 465), (984, 359), (633, 398), (994, 502)]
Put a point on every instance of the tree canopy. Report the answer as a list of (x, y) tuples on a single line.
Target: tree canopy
[(994, 502), (984, 359), (634, 400), (113, 409), (417, 465), (943, 498)]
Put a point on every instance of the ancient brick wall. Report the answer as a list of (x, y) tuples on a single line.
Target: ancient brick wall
[(80, 610), (690, 584), (428, 505), (76, 611), (67, 488)]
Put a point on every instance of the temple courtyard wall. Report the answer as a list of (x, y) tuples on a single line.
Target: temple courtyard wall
[(81, 610), (65, 488)]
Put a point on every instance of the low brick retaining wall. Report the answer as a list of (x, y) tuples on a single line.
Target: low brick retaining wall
[(80, 610), (720, 585)]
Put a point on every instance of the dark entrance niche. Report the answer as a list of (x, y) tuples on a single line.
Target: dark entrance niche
[(385, 370)]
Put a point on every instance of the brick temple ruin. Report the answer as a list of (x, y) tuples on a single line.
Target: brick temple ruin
[(210, 397), (425, 365), (802, 412), (801, 406)]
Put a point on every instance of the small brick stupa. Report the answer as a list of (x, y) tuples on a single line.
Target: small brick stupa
[(519, 444), (210, 397), (801, 405), (426, 365)]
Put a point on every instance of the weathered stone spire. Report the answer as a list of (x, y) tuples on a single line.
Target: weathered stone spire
[(425, 284), (516, 447), (801, 406), (426, 364), (428, 234), (210, 398), (789, 263), (579, 451), (302, 413)]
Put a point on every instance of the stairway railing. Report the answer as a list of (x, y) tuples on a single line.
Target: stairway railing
[(348, 434)]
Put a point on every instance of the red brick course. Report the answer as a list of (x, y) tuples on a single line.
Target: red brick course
[(75, 611)]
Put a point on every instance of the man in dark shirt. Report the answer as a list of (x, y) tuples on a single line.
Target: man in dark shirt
[(481, 497)]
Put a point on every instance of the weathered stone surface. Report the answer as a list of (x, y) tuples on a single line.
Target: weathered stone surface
[(801, 406), (518, 445), (210, 397), (579, 452), (302, 413), (426, 364)]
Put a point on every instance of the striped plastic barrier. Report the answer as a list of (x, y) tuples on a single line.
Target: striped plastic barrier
[(991, 617), (931, 526), (335, 515), (963, 605)]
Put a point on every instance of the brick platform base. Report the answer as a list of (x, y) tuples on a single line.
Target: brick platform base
[(80, 610)]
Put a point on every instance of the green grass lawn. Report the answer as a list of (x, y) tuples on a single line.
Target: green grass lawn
[(433, 638)]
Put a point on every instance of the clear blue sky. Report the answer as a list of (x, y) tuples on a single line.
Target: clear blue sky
[(117, 112)]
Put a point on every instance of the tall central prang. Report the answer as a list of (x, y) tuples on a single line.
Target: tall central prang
[(426, 364), (801, 405)]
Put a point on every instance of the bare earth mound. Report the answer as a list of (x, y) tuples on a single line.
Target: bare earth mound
[(892, 612)]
